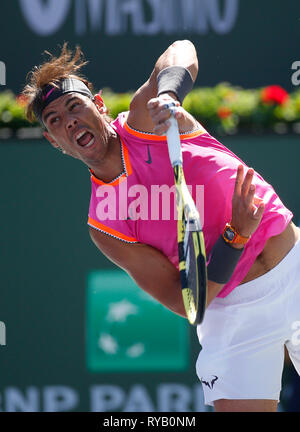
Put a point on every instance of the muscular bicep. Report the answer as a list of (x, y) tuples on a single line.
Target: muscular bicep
[(148, 267)]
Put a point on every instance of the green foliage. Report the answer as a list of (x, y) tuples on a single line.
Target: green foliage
[(223, 109), (116, 102), (11, 112)]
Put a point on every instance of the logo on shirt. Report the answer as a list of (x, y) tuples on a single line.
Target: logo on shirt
[(149, 161), (210, 383)]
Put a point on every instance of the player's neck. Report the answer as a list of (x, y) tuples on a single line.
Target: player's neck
[(112, 166)]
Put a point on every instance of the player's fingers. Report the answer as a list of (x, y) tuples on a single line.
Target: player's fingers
[(259, 211), (247, 182), (162, 128), (239, 180), (249, 199), (161, 116), (257, 200), (179, 113), (153, 103)]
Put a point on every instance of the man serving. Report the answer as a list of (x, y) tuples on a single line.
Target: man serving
[(251, 241)]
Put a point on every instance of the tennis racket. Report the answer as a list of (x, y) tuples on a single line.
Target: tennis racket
[(191, 247)]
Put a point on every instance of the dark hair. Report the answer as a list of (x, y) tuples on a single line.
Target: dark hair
[(67, 65)]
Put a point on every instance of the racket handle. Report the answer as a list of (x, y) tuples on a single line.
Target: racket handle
[(174, 145)]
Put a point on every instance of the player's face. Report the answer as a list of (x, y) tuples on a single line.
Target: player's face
[(75, 124)]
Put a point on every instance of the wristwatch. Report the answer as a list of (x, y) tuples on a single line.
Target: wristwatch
[(230, 235)]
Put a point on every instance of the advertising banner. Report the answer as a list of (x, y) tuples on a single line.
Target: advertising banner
[(246, 43)]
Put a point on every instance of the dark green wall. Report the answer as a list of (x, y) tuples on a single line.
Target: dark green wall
[(47, 253)]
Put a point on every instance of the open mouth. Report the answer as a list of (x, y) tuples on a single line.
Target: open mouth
[(85, 139)]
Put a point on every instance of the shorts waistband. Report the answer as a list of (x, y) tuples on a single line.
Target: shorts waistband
[(264, 284)]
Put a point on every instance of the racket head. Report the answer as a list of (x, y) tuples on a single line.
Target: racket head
[(191, 252), (193, 275)]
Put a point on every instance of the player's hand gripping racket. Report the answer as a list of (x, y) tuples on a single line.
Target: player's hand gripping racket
[(191, 247)]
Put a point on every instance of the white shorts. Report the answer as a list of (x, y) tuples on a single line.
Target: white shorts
[(243, 335)]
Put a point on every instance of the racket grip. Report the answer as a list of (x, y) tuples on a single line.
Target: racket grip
[(174, 145)]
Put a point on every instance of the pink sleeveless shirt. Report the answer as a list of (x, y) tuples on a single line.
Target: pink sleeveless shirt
[(139, 206)]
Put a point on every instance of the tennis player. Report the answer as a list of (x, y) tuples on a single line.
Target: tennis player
[(251, 241)]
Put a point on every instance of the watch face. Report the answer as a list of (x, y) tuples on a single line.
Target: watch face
[(229, 234)]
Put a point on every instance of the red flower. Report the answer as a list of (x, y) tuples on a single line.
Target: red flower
[(224, 112), (274, 94)]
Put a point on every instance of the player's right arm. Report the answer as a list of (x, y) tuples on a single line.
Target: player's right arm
[(149, 268), (180, 53)]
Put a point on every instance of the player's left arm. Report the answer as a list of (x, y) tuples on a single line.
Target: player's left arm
[(180, 53)]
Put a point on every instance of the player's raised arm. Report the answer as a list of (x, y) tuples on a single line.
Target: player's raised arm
[(171, 64), (172, 78)]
